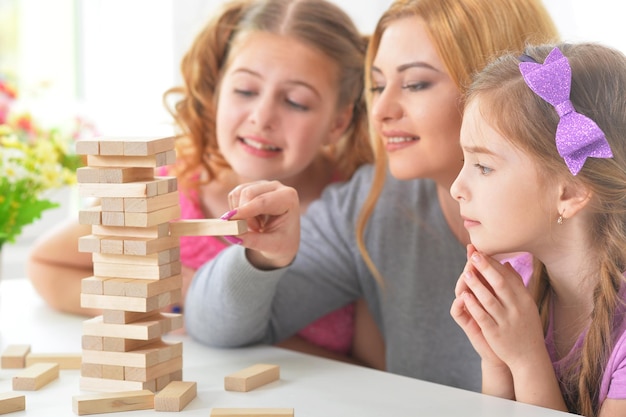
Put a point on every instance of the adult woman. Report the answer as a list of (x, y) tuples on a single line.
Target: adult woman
[(421, 57)]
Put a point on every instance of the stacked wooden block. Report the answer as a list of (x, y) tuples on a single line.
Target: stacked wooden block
[(136, 265)]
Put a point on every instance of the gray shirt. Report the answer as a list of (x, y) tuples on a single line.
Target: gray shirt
[(232, 304)]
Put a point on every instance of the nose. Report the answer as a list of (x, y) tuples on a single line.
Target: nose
[(387, 106), (264, 112), (457, 189)]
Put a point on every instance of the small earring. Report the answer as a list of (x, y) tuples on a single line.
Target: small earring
[(559, 220)]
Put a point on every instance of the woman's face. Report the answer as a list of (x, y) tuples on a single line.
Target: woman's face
[(415, 105), (277, 107)]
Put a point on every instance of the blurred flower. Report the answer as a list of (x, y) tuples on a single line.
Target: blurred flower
[(33, 161)]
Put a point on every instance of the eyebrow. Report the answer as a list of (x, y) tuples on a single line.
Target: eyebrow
[(478, 149), (415, 64), (291, 82)]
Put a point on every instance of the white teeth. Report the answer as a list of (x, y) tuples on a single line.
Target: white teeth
[(401, 139), (259, 145)]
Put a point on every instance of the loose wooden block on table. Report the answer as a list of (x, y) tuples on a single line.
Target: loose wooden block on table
[(14, 356), (252, 412), (11, 402), (113, 402), (175, 396), (36, 376), (208, 227), (252, 377), (65, 360)]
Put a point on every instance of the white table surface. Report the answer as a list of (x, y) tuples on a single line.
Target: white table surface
[(311, 385)]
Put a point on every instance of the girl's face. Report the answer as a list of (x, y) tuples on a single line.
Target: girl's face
[(503, 204), (415, 105), (277, 107)]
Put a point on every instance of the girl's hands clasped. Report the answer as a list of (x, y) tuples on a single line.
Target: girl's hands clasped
[(497, 313), (272, 211)]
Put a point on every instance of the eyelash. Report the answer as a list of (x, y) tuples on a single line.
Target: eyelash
[(297, 106), (410, 87), (483, 169)]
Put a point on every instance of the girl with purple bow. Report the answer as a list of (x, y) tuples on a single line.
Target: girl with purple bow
[(545, 172)]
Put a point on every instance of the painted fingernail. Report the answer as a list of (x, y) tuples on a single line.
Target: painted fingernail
[(233, 240), (228, 214)]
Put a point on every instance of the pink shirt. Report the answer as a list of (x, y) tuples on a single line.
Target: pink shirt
[(613, 383), (334, 331)]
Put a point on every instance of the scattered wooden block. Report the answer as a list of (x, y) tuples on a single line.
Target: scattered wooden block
[(36, 376), (14, 356), (175, 396), (252, 412), (11, 402), (208, 227), (252, 377), (65, 360), (113, 402)]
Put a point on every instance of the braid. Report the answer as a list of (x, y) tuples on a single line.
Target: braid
[(599, 339)]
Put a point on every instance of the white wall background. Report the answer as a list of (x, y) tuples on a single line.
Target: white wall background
[(113, 64)]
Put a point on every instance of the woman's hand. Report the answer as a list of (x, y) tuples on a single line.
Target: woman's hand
[(272, 211)]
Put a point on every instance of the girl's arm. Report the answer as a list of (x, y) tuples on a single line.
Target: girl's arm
[(56, 267), (611, 408), (508, 319)]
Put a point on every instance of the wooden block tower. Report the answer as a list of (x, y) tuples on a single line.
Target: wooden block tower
[(136, 265)]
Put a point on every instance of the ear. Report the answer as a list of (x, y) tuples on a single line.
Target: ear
[(573, 198), (340, 124)]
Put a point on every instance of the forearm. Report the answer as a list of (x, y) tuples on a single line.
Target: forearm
[(497, 380), (229, 302), (59, 285), (536, 384)]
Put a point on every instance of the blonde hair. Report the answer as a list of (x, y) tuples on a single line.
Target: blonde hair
[(467, 34), (528, 122), (317, 23)]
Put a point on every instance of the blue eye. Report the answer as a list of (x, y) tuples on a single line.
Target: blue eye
[(483, 169)]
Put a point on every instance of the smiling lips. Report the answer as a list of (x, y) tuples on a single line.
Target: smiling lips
[(395, 143), (259, 145)]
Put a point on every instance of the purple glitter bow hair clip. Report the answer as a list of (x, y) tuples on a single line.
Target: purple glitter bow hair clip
[(577, 136)]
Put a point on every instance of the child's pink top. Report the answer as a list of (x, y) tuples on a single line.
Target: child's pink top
[(613, 383), (334, 331)]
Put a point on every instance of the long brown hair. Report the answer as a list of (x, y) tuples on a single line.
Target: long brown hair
[(467, 34), (598, 84), (318, 23)]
